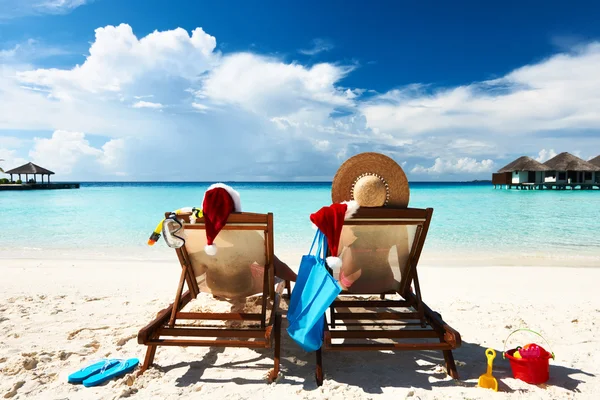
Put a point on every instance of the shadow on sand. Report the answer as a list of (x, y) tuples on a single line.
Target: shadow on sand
[(369, 371)]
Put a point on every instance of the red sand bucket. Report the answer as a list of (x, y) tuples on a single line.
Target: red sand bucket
[(531, 370)]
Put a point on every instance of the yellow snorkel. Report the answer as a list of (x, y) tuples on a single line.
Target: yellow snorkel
[(195, 214)]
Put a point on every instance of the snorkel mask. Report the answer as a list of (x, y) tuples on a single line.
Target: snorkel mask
[(171, 228), (172, 232)]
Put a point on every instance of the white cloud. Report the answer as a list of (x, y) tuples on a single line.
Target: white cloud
[(318, 46), (28, 51), (272, 88), (147, 104), (274, 119), (117, 58), (20, 8), (113, 153), (200, 107), (322, 145), (461, 165), (544, 155), (66, 150), (59, 6), (11, 142), (557, 96), (10, 160)]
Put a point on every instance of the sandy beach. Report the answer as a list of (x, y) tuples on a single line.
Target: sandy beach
[(57, 316)]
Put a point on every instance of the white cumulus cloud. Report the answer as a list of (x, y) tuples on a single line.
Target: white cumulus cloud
[(65, 150), (118, 58), (544, 155), (461, 165), (147, 104), (556, 97), (275, 118), (270, 87)]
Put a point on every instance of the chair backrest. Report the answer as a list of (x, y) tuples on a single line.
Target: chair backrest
[(243, 265), (380, 249)]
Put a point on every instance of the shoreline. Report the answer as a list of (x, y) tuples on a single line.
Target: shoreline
[(293, 257)]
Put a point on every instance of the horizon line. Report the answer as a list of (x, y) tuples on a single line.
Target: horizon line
[(225, 181)]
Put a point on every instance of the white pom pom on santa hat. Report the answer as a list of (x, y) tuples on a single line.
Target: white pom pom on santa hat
[(334, 262), (210, 249), (351, 208)]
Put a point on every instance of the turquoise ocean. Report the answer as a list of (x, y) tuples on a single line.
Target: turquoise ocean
[(471, 221)]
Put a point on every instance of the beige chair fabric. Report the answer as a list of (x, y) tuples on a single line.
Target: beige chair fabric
[(374, 257), (237, 270)]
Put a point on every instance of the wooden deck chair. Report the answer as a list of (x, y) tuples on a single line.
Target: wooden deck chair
[(380, 251), (242, 268)]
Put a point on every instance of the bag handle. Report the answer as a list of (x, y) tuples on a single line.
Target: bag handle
[(324, 246), (319, 239), (527, 330), (314, 241)]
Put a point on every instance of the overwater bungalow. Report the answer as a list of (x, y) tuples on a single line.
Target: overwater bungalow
[(568, 169), (32, 170), (521, 172), (596, 161), (560, 172)]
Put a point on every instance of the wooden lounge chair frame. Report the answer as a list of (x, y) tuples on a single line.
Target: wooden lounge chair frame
[(166, 329), (429, 323)]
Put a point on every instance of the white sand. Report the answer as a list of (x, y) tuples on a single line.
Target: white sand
[(56, 316)]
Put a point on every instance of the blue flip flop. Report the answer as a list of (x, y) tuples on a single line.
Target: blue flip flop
[(92, 369), (121, 368)]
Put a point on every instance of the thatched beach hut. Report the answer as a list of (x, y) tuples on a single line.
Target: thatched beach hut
[(524, 170), (569, 169)]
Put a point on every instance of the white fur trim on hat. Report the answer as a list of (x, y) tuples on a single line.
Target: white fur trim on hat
[(210, 249), (235, 196), (352, 208), (334, 262)]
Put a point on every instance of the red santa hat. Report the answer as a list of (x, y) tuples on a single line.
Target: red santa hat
[(330, 221), (219, 201)]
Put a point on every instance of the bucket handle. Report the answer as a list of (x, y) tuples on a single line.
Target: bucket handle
[(527, 330)]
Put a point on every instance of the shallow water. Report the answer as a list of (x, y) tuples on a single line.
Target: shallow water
[(469, 218)]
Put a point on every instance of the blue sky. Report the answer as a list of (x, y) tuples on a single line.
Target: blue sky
[(270, 90)]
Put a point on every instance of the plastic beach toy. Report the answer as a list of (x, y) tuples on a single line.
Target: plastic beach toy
[(122, 367), (530, 363), (92, 369), (487, 380)]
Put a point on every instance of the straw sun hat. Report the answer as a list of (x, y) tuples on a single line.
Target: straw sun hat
[(373, 180)]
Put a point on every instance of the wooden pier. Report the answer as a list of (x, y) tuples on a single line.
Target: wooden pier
[(39, 186)]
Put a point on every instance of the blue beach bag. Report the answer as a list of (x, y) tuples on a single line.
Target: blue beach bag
[(313, 293)]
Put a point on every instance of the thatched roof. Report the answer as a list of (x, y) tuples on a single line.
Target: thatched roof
[(524, 164), (595, 161), (30, 168), (568, 162)]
